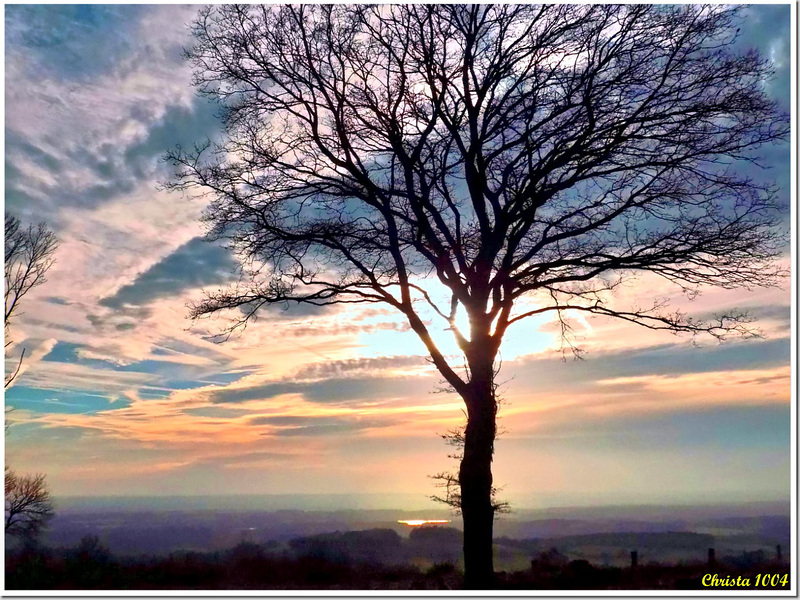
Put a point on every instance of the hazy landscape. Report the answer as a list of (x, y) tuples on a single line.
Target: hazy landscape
[(228, 543), (160, 526)]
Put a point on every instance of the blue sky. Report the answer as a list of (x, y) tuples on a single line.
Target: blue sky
[(122, 394)]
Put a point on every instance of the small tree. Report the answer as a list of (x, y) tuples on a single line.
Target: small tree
[(29, 255), (498, 161), (28, 504)]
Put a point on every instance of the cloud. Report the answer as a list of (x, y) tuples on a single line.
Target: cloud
[(195, 264), (336, 327), (176, 365), (185, 416), (763, 33), (178, 126), (720, 428), (345, 391), (72, 42), (93, 90), (69, 376), (694, 380), (687, 358), (60, 173), (302, 426), (16, 362), (781, 313), (545, 382), (381, 364), (38, 401), (18, 147), (581, 403)]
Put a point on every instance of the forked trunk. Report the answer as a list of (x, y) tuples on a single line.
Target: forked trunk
[(475, 479)]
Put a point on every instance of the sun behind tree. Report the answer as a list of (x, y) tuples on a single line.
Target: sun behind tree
[(484, 154)]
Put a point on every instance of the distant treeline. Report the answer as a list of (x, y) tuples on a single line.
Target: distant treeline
[(369, 559), (682, 540), (378, 559)]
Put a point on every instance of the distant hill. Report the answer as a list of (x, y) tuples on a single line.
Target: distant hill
[(129, 531), (382, 559), (625, 540)]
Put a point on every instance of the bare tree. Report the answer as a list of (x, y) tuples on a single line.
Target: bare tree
[(498, 161), (28, 504), (29, 255)]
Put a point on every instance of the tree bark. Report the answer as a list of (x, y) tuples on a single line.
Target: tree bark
[(475, 477)]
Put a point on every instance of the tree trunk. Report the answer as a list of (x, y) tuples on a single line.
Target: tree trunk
[(475, 479)]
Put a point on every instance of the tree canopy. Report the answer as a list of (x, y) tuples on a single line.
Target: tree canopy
[(29, 255), (465, 157), (28, 504)]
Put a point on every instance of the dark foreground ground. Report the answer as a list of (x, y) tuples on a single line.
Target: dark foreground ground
[(255, 567)]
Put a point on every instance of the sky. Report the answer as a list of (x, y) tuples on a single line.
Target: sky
[(121, 394)]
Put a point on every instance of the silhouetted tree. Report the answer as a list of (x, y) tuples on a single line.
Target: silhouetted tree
[(500, 160), (28, 504), (29, 255)]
